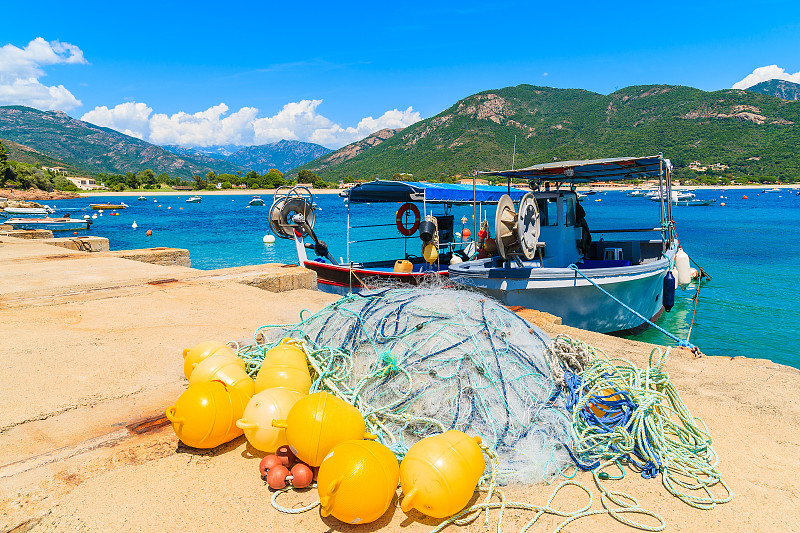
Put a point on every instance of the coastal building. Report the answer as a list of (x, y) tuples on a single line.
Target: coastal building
[(85, 184), (468, 181), (56, 170)]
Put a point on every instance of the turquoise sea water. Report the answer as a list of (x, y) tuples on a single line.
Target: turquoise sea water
[(750, 247)]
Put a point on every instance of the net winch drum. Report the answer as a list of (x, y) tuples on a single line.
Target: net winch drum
[(286, 206), (517, 232)]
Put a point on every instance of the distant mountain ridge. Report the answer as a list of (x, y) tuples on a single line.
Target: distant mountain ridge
[(282, 155), (783, 89), (351, 150), (729, 130), (94, 149)]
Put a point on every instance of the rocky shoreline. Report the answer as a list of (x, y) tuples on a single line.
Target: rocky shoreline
[(36, 194)]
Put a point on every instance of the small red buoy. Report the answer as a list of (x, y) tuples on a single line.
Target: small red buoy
[(268, 462), (481, 234), (301, 476), (466, 233), (286, 455), (149, 232), (276, 477), (74, 232), (744, 197)]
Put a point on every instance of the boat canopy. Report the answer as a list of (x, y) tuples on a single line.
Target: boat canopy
[(445, 193), (589, 170)]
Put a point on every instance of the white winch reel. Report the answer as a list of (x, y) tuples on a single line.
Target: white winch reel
[(517, 233)]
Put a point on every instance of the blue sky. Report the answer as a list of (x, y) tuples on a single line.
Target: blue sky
[(206, 73)]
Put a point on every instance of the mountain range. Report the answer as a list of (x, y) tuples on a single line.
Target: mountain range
[(741, 132), (783, 89), (52, 138)]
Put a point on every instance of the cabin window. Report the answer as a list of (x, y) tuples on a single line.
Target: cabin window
[(570, 211), (548, 211)]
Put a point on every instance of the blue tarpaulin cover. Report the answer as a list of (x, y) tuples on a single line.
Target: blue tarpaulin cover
[(589, 170), (404, 191)]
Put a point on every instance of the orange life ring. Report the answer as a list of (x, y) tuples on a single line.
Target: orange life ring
[(401, 213)]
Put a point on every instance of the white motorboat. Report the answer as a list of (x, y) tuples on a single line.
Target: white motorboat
[(194, 199), (53, 224), (256, 201), (44, 210)]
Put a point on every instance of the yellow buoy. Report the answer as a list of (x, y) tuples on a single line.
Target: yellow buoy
[(262, 409), (357, 481), (229, 370), (439, 474), (284, 366), (430, 253), (596, 406), (317, 423), (205, 414), (193, 356)]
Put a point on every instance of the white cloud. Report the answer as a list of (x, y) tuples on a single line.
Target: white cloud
[(769, 72), (21, 68), (214, 126), (130, 118)]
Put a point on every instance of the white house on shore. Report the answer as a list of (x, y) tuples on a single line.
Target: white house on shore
[(85, 184)]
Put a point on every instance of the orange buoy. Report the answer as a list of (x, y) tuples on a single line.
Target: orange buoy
[(262, 409), (744, 197), (439, 473), (223, 367), (302, 476), (357, 481), (149, 232), (205, 415), (192, 356), (74, 232), (285, 365), (317, 423), (466, 234)]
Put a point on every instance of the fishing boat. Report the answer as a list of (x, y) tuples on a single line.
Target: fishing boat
[(693, 202), (142, 198), (52, 224), (429, 241), (194, 199), (774, 189), (43, 210), (256, 201), (548, 259), (102, 207)]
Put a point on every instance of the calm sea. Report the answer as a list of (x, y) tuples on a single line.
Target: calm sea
[(749, 308)]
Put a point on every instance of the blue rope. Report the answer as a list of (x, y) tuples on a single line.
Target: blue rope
[(682, 343)]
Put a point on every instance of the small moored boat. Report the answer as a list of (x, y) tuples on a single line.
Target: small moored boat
[(53, 224), (256, 201), (142, 198), (44, 210), (121, 205), (194, 199)]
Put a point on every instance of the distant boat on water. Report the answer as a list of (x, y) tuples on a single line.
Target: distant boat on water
[(142, 198), (774, 189), (257, 200), (121, 205), (194, 199)]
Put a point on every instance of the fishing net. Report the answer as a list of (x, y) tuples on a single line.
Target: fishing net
[(418, 362)]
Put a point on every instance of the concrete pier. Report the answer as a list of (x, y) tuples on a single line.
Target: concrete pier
[(90, 357)]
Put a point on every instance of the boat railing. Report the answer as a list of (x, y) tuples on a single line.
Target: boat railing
[(630, 230)]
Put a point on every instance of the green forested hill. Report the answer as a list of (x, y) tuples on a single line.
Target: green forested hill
[(93, 149), (753, 134), (786, 90)]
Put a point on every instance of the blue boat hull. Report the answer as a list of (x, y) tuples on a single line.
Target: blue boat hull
[(566, 294)]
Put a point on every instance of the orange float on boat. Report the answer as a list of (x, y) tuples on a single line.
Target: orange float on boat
[(223, 367), (192, 356), (285, 365), (439, 473), (317, 423), (205, 415), (357, 481)]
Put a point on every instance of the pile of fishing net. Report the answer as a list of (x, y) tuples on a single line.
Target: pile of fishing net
[(417, 362)]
